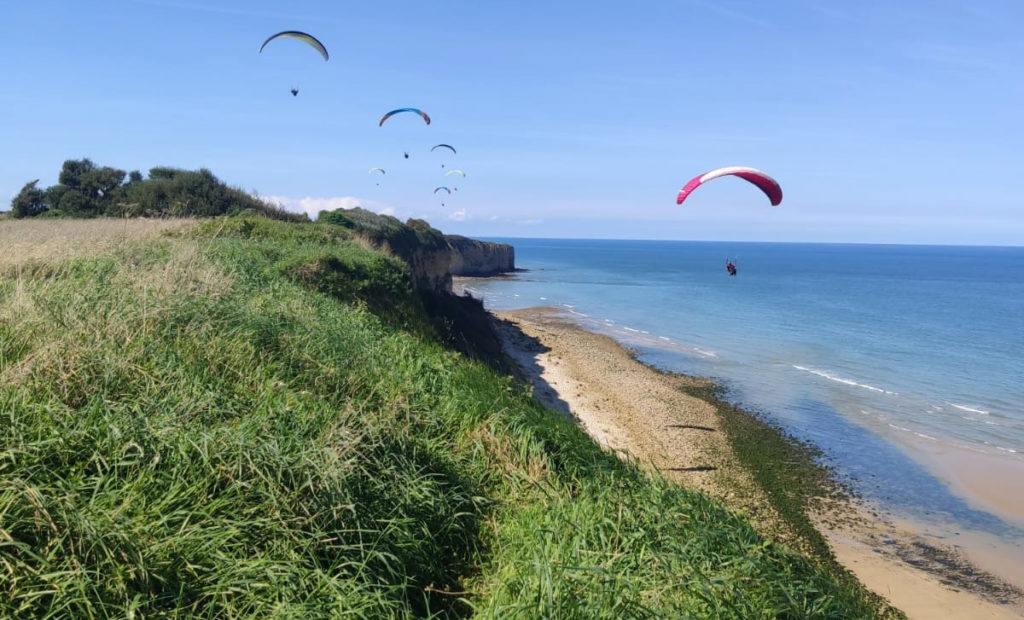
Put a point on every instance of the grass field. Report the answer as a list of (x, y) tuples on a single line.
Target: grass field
[(246, 418)]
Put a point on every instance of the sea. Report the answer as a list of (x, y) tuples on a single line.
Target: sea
[(877, 354)]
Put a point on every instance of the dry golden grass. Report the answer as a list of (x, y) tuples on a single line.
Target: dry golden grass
[(36, 253), (45, 242), (184, 273)]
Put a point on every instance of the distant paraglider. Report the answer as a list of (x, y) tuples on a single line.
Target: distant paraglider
[(730, 267), (437, 189), (421, 113), (380, 170), (445, 146), (765, 183), (301, 36), (458, 172)]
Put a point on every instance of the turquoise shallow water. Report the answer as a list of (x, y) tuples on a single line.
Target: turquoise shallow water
[(867, 350)]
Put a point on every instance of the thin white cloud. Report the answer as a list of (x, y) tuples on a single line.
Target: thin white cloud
[(312, 206), (962, 57), (458, 216)]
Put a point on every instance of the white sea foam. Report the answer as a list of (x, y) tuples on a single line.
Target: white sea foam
[(543, 298), (977, 420), (705, 353), (665, 339), (630, 329), (969, 409), (838, 379)]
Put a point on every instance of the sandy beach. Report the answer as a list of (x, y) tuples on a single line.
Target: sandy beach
[(644, 415)]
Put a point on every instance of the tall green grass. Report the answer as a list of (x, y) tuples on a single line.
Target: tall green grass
[(258, 420)]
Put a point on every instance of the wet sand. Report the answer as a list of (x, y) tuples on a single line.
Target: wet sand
[(990, 482), (642, 414)]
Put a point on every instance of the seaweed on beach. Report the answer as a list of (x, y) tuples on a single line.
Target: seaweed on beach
[(800, 484), (792, 474), (790, 471)]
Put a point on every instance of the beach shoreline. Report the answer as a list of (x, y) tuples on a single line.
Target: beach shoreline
[(987, 481), (655, 418)]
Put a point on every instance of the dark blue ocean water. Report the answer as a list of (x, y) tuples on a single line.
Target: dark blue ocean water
[(867, 350)]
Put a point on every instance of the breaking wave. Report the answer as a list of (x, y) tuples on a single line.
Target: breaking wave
[(838, 379)]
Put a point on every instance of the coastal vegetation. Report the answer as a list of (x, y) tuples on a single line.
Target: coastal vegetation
[(791, 473), (85, 189), (245, 417)]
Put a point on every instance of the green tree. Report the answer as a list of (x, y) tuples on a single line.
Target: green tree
[(90, 189), (72, 202), (30, 201), (73, 170), (87, 190)]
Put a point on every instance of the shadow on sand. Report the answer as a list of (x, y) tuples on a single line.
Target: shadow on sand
[(524, 350)]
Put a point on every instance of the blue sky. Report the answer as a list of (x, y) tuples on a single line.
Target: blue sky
[(884, 122)]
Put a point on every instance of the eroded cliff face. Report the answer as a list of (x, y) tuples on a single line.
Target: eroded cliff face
[(429, 268), (433, 257), (470, 257), (422, 247), (427, 253)]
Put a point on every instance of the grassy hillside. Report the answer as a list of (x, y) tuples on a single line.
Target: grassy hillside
[(246, 418)]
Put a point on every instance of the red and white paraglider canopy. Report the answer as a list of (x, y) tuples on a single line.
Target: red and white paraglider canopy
[(767, 184)]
